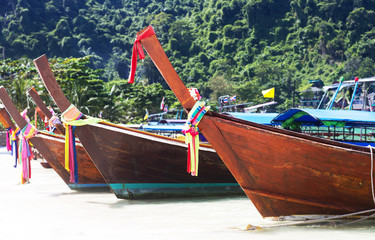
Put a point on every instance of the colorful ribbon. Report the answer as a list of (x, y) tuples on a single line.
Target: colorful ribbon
[(52, 123), (192, 135), (24, 151), (71, 153), (72, 118), (192, 140), (14, 143), (8, 137), (71, 114), (194, 93), (137, 50), (23, 114)]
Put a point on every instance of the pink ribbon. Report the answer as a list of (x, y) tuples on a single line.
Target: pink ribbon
[(9, 146), (71, 156), (190, 157)]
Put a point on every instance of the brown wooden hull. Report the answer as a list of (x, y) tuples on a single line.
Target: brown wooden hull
[(143, 165), (287, 174), (53, 146), (45, 165), (7, 123), (137, 164), (282, 172)]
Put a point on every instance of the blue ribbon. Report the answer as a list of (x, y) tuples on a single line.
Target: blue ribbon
[(15, 149), (14, 152)]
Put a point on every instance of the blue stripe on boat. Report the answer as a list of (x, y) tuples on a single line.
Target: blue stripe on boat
[(78, 186)]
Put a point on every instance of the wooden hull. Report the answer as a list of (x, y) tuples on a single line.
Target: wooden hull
[(137, 164), (37, 155), (282, 172), (7, 123), (51, 147), (45, 165), (142, 165)]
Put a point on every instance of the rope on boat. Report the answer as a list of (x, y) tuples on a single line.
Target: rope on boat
[(358, 220), (319, 220)]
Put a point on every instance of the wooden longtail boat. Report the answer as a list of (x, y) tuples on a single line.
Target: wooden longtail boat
[(281, 171), (8, 123), (86, 167), (138, 164), (51, 147), (43, 108)]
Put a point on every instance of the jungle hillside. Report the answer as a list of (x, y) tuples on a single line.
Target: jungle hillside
[(221, 47)]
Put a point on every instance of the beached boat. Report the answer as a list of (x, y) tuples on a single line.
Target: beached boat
[(51, 147), (138, 164), (8, 124), (44, 110), (282, 172), (86, 168)]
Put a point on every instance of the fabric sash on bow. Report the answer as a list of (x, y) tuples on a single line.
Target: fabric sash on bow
[(24, 151), (192, 135), (71, 114), (71, 119), (52, 123), (137, 50), (53, 120), (14, 145)]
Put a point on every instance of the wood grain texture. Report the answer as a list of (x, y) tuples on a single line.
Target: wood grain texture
[(49, 80), (282, 172), (5, 119), (125, 155)]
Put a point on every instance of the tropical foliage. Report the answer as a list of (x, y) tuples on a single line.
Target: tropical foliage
[(219, 46), (117, 101)]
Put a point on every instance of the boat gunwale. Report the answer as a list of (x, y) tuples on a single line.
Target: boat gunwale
[(245, 123), (141, 134)]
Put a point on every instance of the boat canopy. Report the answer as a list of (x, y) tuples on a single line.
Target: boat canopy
[(295, 118), (336, 85), (262, 118), (172, 121), (173, 128)]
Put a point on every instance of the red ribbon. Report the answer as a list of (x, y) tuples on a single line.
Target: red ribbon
[(137, 50)]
